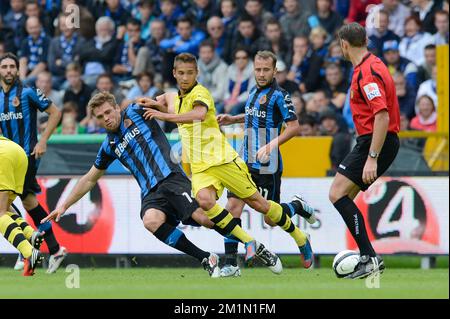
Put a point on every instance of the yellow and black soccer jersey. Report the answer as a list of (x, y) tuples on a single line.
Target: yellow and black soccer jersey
[(203, 142), (13, 167)]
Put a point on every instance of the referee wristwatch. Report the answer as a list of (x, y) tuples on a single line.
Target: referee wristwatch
[(373, 154)]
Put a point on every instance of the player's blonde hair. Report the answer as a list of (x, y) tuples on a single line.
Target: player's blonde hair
[(101, 98), (266, 55)]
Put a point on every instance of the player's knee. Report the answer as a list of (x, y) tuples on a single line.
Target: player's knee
[(205, 202), (152, 222), (335, 194), (30, 202), (332, 196), (269, 221)]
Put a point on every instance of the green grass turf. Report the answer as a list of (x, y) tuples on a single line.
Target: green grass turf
[(258, 283)]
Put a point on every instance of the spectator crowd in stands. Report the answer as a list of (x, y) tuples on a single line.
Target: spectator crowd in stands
[(127, 47)]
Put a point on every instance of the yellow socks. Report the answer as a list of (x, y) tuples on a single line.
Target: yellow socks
[(14, 234), (224, 220), (26, 228), (279, 217)]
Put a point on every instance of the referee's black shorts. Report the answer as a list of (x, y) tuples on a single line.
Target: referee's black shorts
[(353, 164), (31, 186)]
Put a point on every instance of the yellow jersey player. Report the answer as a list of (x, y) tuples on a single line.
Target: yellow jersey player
[(215, 165), (13, 167)]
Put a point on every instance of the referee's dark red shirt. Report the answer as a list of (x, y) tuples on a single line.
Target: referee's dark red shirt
[(373, 90)]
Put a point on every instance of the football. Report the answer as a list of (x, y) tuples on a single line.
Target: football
[(345, 262)]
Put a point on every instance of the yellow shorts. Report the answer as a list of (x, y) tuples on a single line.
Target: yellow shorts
[(13, 167), (233, 175)]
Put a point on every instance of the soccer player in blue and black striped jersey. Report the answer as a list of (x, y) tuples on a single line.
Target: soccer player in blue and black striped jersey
[(143, 148), (19, 105), (268, 107)]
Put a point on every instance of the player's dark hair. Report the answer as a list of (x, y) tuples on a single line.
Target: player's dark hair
[(430, 47), (12, 56), (101, 98), (185, 58), (353, 33), (266, 55)]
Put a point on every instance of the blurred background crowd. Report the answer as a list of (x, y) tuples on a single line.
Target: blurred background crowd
[(127, 47)]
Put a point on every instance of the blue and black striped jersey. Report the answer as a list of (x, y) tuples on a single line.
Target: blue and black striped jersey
[(142, 147), (266, 110), (18, 111)]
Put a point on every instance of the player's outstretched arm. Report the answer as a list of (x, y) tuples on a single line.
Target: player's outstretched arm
[(158, 104), (198, 113), (292, 129), (53, 120), (84, 185)]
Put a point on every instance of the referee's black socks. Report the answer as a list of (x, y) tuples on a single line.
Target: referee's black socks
[(37, 214), (355, 223)]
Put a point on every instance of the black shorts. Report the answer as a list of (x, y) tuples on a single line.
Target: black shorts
[(173, 197), (31, 186), (353, 164), (269, 185)]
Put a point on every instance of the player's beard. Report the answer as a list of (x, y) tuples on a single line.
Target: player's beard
[(10, 80)]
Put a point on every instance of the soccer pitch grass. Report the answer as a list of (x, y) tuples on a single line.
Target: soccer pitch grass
[(192, 283)]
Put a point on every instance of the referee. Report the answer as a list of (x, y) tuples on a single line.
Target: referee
[(19, 105), (375, 110)]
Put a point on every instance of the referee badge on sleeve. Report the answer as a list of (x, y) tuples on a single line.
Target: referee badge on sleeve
[(372, 91), (16, 102)]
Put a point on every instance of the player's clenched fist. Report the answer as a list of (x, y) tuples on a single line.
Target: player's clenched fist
[(224, 119)]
